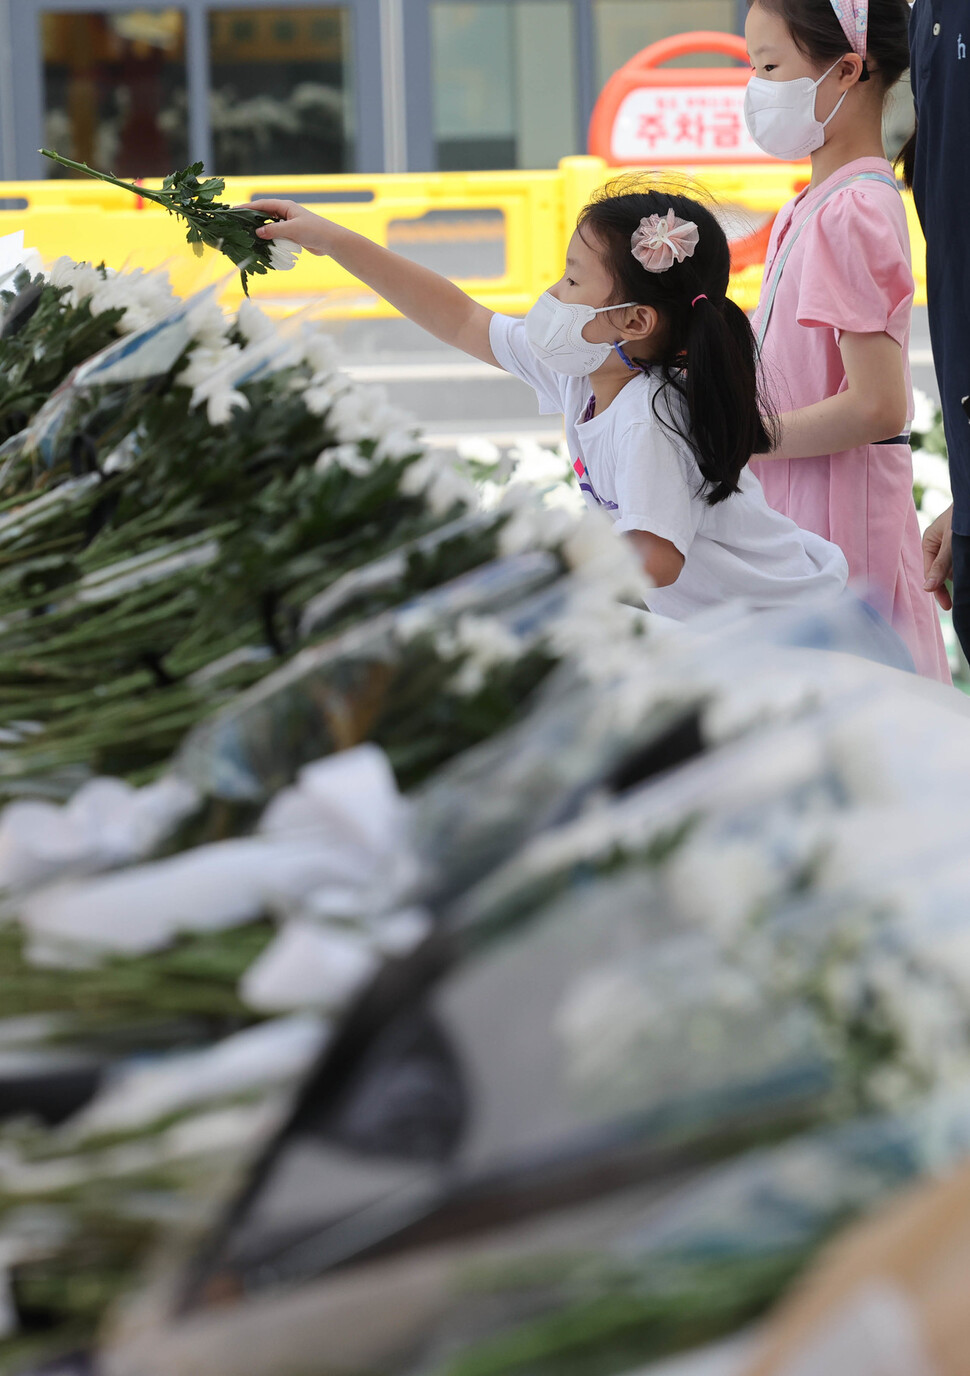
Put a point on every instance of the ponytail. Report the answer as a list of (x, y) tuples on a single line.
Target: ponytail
[(721, 388), (905, 163), (709, 352)]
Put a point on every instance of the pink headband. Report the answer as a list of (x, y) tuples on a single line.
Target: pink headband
[(853, 15)]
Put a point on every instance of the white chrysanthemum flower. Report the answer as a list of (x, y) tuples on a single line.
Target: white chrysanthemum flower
[(399, 444), (414, 622), (469, 680), (321, 393), (417, 478), (106, 297), (205, 361), (531, 524), (136, 318), (61, 271), (593, 547), (145, 297), (448, 490), (320, 351), (254, 324), (566, 497), (283, 254), (345, 456), (485, 643), (540, 466), (208, 373), (82, 279), (355, 413), (610, 579), (435, 478), (478, 449), (221, 403), (387, 419), (602, 636), (207, 323)]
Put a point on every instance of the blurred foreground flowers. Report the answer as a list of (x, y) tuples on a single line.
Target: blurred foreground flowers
[(414, 957)]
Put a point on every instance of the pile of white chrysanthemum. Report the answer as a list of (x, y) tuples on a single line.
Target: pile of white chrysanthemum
[(250, 622)]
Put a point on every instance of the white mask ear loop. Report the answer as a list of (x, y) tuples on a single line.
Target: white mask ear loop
[(826, 122)]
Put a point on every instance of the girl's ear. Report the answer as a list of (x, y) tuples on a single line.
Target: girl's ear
[(851, 70), (642, 323)]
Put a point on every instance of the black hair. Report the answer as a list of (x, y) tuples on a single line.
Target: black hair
[(906, 160), (708, 351), (817, 32)]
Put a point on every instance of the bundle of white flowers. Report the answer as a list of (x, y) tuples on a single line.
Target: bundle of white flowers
[(51, 321)]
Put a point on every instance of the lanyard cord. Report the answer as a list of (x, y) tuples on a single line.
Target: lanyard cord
[(793, 239)]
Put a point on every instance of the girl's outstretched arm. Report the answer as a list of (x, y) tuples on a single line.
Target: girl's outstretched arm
[(872, 408), (425, 297)]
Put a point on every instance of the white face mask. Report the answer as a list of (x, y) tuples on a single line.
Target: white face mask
[(780, 115), (554, 328)]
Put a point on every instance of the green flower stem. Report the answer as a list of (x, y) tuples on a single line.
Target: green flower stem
[(159, 197)]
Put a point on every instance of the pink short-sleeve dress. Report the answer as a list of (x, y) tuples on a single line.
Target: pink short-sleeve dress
[(850, 270)]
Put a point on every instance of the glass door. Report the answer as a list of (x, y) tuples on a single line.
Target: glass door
[(281, 95), (245, 86), (504, 83), (114, 89)]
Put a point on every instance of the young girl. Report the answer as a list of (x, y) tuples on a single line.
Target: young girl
[(653, 368), (834, 318)]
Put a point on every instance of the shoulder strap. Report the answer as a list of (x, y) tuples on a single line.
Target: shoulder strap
[(772, 287)]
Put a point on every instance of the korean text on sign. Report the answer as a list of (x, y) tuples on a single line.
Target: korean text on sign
[(700, 124)]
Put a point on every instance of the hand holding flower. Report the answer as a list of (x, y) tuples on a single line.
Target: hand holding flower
[(293, 222)]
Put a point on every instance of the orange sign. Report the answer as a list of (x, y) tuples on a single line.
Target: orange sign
[(650, 114)]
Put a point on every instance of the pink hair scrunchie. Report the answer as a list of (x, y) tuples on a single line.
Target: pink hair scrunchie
[(662, 240)]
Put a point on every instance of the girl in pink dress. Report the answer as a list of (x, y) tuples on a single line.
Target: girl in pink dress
[(834, 317)]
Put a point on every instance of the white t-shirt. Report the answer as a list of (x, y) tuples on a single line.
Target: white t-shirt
[(646, 478)]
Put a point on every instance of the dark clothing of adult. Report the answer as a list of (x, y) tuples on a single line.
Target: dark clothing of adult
[(940, 40), (961, 589)]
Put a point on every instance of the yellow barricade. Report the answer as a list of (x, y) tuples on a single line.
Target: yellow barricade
[(522, 220)]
